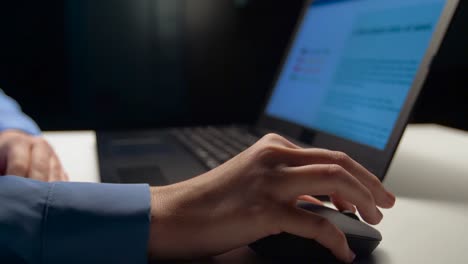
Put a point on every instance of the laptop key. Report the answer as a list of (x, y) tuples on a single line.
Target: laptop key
[(211, 163), (226, 139), (244, 137), (224, 150), (209, 145)]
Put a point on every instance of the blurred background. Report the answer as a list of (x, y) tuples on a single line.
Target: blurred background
[(121, 64)]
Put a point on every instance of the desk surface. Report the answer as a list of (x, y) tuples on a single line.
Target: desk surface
[(429, 174)]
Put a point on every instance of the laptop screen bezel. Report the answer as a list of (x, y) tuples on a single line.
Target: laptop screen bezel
[(375, 160)]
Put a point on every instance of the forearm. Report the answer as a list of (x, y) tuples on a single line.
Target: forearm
[(89, 223)]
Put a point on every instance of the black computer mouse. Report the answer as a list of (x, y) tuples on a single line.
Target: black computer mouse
[(362, 239)]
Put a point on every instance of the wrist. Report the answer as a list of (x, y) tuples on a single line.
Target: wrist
[(178, 221), (153, 209), (160, 231)]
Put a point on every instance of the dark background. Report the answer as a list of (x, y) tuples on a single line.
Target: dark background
[(118, 64)]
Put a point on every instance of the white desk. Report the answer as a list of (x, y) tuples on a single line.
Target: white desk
[(429, 175)]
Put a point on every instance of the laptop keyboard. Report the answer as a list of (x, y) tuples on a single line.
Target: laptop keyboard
[(215, 145)]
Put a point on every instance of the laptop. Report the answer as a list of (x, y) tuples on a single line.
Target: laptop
[(349, 80)]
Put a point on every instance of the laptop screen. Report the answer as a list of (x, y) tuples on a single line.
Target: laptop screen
[(352, 65)]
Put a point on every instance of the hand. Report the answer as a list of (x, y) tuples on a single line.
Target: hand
[(28, 156), (254, 195)]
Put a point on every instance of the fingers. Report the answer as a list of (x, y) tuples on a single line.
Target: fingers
[(59, 172), (40, 162), (65, 176), (45, 165), (305, 224), (341, 204), (27, 156), (55, 170), (330, 180), (281, 141), (310, 199), (300, 157), (18, 159)]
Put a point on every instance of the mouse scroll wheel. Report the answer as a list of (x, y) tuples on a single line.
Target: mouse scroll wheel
[(351, 215)]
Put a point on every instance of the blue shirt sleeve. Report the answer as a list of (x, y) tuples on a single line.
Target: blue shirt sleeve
[(11, 117), (73, 222)]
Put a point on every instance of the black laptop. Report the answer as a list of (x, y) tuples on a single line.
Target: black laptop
[(349, 81)]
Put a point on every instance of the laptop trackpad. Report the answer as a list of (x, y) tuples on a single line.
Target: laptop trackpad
[(157, 159), (142, 174)]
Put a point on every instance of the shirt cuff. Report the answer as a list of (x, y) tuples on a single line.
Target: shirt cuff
[(20, 122), (96, 223)]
